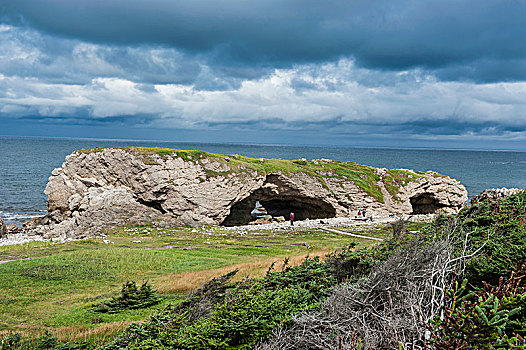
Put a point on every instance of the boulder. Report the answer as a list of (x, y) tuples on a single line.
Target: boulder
[(97, 190), (493, 194), (279, 219), (3, 228), (267, 219), (11, 229)]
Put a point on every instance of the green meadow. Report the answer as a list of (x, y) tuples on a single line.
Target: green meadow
[(54, 285)]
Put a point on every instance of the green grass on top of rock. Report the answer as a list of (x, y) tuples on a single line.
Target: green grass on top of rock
[(363, 176), (397, 178), (149, 151)]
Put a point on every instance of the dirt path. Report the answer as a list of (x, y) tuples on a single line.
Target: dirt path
[(351, 234), (6, 261)]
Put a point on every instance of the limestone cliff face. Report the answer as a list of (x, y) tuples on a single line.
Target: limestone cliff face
[(96, 190), (493, 194), (3, 228)]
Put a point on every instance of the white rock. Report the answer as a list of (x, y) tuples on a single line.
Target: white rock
[(3, 228), (495, 193), (95, 192)]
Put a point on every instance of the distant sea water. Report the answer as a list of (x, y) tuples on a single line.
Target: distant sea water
[(26, 164)]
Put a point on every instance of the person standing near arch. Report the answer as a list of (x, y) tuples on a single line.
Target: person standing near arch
[(291, 218)]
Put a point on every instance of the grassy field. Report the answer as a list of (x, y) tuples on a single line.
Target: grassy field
[(54, 285)]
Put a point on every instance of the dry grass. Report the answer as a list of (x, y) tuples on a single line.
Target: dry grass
[(72, 334), (186, 281), (103, 331)]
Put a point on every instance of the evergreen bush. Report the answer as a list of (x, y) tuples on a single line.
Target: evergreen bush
[(131, 297)]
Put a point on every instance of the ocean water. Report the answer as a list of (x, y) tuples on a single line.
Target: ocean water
[(26, 164)]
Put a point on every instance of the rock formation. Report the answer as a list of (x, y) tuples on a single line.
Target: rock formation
[(13, 229), (495, 193), (98, 189), (3, 228)]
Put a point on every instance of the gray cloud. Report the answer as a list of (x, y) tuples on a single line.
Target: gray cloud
[(308, 97), (432, 71), (453, 35), (28, 53), (25, 52), (485, 70)]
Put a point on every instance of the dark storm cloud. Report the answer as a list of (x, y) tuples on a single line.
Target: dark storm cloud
[(28, 53), (376, 70), (423, 127), (382, 34), (80, 117), (485, 70)]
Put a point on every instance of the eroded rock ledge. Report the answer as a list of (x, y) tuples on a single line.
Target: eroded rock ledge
[(493, 194), (98, 189)]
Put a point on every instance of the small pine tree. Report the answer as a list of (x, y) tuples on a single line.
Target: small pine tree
[(131, 298)]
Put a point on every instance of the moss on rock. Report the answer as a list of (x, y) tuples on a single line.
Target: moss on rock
[(363, 176)]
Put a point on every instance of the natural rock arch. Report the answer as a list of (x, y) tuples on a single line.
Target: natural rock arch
[(279, 200), (425, 203), (97, 190)]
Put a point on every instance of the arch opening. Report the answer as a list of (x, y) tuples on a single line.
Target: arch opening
[(276, 205), (425, 203)]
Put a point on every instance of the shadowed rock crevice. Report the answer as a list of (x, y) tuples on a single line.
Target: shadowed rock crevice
[(277, 205), (157, 205), (426, 203)]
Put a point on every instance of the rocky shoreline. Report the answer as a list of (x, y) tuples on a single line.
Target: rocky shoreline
[(23, 236), (97, 190), (20, 236)]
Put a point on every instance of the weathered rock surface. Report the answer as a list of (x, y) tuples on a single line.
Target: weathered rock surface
[(96, 190), (267, 219), (495, 193), (12, 229), (3, 228)]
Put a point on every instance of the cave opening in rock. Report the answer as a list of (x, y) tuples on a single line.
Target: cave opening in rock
[(279, 205), (157, 205), (425, 203)]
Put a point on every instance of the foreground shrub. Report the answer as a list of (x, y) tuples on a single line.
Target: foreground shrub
[(496, 234), (382, 311), (11, 341), (399, 227), (350, 264), (131, 298), (493, 318), (45, 342)]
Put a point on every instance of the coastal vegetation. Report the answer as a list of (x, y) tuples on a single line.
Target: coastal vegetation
[(457, 282), (55, 285)]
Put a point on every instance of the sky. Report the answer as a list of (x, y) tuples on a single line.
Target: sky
[(383, 73)]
